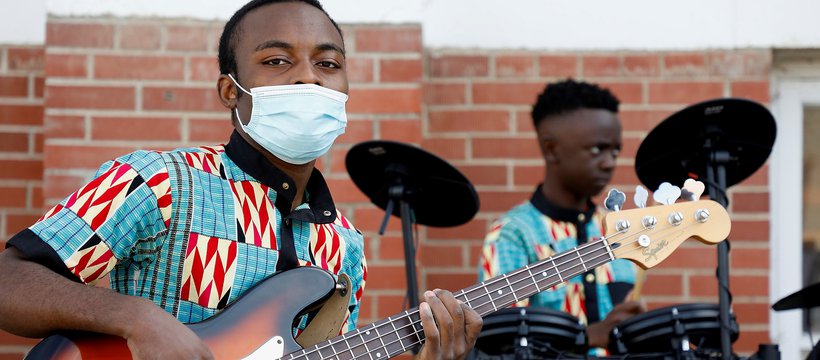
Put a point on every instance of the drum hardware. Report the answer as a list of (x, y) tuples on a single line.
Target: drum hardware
[(720, 142), (806, 298), (409, 183), (681, 330), (530, 333)]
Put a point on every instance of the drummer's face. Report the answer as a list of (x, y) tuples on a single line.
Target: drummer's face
[(582, 148)]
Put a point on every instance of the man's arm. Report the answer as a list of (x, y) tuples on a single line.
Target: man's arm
[(35, 301)]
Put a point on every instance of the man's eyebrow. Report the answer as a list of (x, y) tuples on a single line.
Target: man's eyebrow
[(287, 46), (330, 47), (273, 44)]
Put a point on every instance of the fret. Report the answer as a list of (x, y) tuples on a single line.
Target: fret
[(556, 269), (349, 348), (398, 337), (326, 352), (580, 259), (480, 300), (512, 291), (391, 337), (490, 297), (379, 336), (534, 281), (364, 342), (416, 331), (337, 351)]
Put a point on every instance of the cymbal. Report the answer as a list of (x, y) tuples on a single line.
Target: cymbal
[(808, 297), (437, 192), (682, 146)]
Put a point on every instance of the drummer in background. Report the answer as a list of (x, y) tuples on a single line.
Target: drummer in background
[(580, 137)]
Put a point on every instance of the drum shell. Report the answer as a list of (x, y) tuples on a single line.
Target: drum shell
[(662, 330), (502, 332)]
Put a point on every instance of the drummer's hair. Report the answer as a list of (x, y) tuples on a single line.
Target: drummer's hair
[(568, 95)]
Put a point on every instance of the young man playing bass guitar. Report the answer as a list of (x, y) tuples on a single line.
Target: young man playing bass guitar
[(182, 234)]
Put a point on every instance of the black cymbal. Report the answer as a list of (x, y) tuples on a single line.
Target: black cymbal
[(681, 146), (437, 192), (805, 298)]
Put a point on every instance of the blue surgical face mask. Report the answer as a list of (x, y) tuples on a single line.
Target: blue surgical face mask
[(295, 123)]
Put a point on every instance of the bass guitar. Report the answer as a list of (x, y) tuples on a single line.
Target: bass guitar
[(258, 325)]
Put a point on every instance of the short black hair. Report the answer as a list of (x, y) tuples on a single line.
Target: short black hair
[(227, 42), (568, 95)]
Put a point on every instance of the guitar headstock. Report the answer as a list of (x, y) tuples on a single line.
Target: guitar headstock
[(649, 235)]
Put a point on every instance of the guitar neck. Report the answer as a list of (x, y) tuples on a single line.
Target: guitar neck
[(400, 333)]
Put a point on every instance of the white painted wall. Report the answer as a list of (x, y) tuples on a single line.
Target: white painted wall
[(22, 22), (533, 24)]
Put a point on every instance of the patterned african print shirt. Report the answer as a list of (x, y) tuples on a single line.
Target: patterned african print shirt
[(538, 229), (193, 229)]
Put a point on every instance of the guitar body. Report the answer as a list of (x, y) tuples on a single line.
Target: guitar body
[(265, 312)]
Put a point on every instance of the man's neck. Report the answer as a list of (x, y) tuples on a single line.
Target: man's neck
[(299, 173), (559, 195)]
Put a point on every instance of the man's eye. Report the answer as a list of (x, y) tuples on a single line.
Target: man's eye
[(275, 62), (616, 152), (329, 64), (595, 150)]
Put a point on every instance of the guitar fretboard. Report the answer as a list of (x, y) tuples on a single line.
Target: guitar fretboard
[(400, 333)]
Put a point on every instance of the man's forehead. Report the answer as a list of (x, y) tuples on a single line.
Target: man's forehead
[(287, 22)]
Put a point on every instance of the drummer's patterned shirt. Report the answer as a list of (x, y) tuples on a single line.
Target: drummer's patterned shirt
[(193, 229), (538, 229)]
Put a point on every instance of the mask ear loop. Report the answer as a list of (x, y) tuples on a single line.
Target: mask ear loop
[(240, 86), (236, 109)]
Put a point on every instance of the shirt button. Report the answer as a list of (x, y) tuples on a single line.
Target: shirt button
[(581, 217), (285, 186), (590, 278), (326, 213)]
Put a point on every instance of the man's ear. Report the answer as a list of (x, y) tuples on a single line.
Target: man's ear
[(227, 91), (548, 149)]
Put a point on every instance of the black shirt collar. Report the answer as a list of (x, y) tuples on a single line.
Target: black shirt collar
[(322, 209), (558, 213)]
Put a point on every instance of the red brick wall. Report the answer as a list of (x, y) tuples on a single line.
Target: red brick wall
[(21, 151), (113, 83)]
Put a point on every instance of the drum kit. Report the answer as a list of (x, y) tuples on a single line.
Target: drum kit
[(719, 142)]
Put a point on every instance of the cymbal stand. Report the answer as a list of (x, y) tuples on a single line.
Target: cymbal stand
[(399, 192), (716, 176)]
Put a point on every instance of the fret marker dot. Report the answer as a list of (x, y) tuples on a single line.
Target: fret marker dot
[(367, 332), (544, 274), (500, 292), (378, 354)]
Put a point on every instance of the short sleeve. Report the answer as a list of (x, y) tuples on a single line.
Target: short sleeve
[(121, 215)]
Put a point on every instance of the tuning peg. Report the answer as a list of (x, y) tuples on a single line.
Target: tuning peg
[(614, 200), (692, 189), (666, 194), (641, 195)]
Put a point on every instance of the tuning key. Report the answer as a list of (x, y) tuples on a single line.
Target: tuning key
[(666, 194), (692, 189), (615, 200), (641, 195)]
